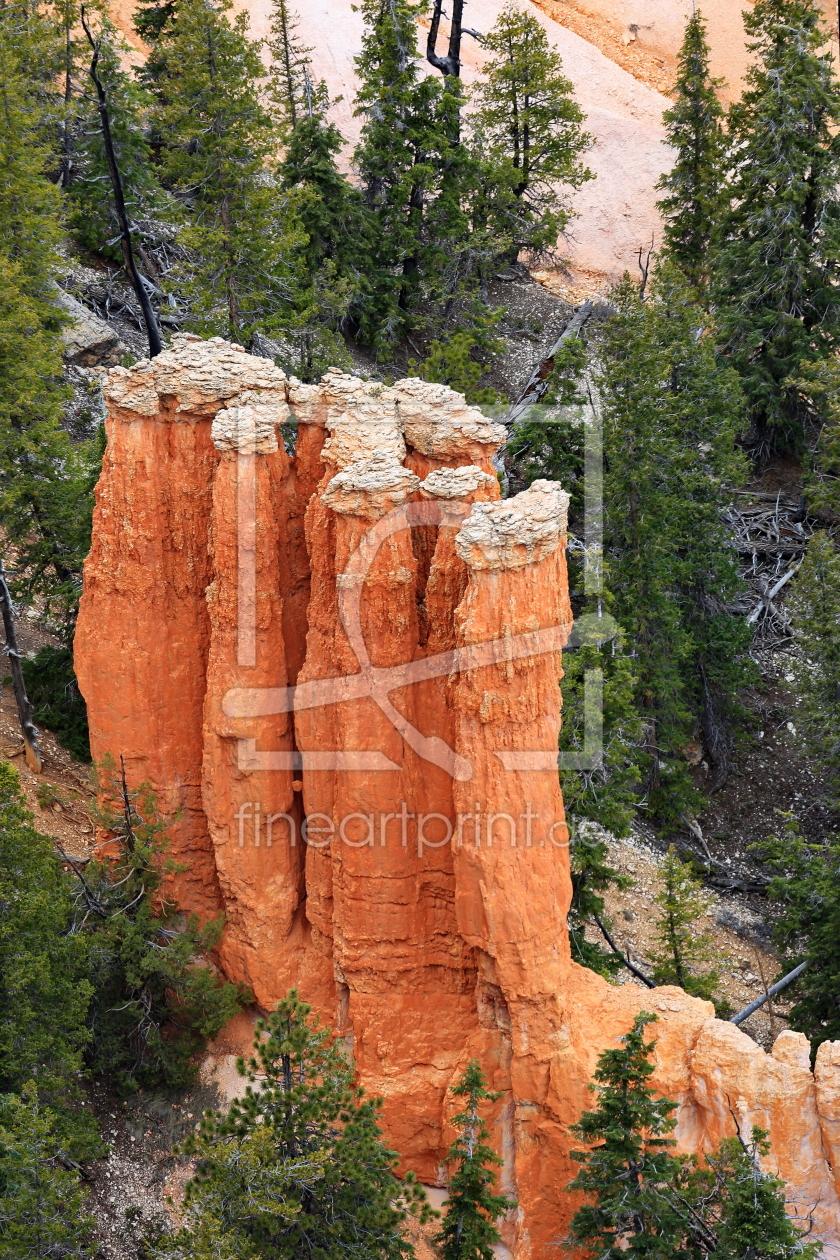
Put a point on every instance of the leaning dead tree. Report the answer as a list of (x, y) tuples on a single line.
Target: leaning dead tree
[(27, 726), (126, 243)]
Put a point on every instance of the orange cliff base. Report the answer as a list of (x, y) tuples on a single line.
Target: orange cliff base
[(342, 667)]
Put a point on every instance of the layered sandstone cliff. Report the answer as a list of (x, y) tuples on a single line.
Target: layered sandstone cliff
[(342, 666)]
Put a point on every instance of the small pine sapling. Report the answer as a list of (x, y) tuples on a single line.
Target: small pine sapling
[(681, 950), (628, 1170), (592, 875), (472, 1207), (750, 1220)]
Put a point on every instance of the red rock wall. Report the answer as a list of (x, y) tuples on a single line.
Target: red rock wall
[(343, 665)]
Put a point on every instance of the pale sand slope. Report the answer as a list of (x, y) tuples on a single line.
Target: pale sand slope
[(616, 211)]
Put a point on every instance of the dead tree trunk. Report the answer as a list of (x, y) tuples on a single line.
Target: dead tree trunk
[(451, 63), (140, 291), (27, 726)]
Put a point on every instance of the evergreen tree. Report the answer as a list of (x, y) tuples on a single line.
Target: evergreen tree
[(777, 268), (806, 885), (41, 1202), (752, 1222), (92, 213), (695, 192), (472, 1207), (591, 876), (290, 86), (329, 211), (628, 1168), (44, 992), (599, 697), (528, 130), (451, 362), (671, 415), (815, 605), (296, 1169), (153, 1008), (401, 149), (30, 204), (241, 229), (46, 481), (819, 384), (680, 948)]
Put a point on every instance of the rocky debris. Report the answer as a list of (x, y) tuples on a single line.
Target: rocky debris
[(358, 716), (88, 340)]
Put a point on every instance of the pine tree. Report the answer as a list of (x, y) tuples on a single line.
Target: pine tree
[(752, 1222), (680, 948), (819, 383), (472, 1207), (296, 1169), (451, 362), (806, 885), (30, 204), (401, 149), (591, 875), (153, 1009), (41, 1202), (628, 1168), (695, 185), (290, 87), (92, 215), (776, 271), (46, 481), (815, 605), (671, 415), (44, 992), (241, 230), (528, 131)]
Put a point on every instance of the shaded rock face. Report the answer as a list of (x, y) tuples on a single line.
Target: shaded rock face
[(342, 668)]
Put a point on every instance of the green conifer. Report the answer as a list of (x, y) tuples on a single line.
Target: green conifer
[(680, 949), (753, 1223), (92, 215), (815, 607), (153, 1009), (694, 187), (290, 86), (241, 231), (591, 875), (296, 1169), (528, 129), (46, 481), (472, 1207), (628, 1169), (44, 992), (31, 229), (806, 886), (671, 415), (41, 1203), (398, 159), (776, 271)]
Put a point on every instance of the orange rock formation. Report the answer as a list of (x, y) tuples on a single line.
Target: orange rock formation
[(342, 667)]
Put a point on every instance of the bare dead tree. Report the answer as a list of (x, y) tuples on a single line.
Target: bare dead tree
[(24, 707), (126, 244), (451, 63)]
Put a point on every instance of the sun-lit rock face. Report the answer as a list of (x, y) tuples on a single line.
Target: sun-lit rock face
[(342, 667)]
